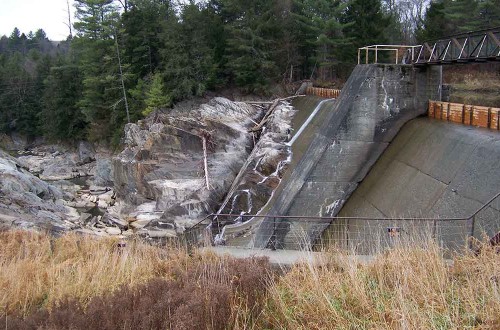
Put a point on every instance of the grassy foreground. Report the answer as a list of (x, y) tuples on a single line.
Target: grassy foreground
[(75, 282)]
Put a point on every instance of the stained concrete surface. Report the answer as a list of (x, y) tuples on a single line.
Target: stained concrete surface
[(433, 169), (375, 102)]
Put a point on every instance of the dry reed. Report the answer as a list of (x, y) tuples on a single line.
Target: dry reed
[(407, 287), (37, 270)]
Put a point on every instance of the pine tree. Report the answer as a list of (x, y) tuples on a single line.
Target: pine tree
[(189, 66), (461, 16), (102, 100), (156, 97), (250, 28), (434, 22), (489, 13), (330, 40), (61, 119), (367, 24)]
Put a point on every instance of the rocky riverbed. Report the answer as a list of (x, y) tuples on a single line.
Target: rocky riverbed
[(176, 167)]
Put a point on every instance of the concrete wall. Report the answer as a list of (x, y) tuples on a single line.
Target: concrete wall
[(432, 169), (375, 102)]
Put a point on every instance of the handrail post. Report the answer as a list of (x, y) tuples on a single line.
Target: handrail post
[(472, 222), (274, 236), (366, 54), (434, 229), (376, 54), (359, 55)]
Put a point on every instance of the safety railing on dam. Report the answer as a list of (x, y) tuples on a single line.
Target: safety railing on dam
[(473, 115), (388, 54), (474, 46), (361, 235)]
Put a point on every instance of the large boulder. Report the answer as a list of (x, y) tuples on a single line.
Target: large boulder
[(86, 152)]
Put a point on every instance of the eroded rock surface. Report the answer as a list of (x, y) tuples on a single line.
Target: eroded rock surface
[(29, 202), (265, 166), (160, 174)]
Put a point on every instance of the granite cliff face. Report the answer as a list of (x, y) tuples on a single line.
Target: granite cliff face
[(30, 203), (160, 177), (176, 168), (264, 167)]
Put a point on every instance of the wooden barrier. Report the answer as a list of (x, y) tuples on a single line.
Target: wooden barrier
[(473, 115), (323, 92)]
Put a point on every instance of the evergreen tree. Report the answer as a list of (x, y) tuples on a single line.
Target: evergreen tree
[(189, 50), (61, 119), (249, 26), (489, 13), (367, 24), (102, 100), (434, 23), (330, 40), (156, 97), (461, 16)]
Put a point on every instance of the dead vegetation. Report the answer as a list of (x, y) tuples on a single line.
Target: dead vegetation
[(474, 85), (405, 288), (74, 282)]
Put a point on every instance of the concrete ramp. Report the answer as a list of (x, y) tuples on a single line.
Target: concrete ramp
[(433, 169), (373, 105)]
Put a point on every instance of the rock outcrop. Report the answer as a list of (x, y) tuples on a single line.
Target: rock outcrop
[(29, 202), (160, 174), (264, 168)]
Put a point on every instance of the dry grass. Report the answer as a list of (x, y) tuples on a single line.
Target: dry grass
[(82, 283), (37, 270), (79, 282), (405, 288), (474, 87)]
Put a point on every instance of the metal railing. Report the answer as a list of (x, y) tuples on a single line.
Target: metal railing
[(363, 235), (397, 54), (482, 45), (475, 46)]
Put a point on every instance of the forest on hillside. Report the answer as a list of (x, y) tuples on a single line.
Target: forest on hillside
[(123, 59)]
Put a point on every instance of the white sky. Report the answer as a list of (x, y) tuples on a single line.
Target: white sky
[(31, 15)]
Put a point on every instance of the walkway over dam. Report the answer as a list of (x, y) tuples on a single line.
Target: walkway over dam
[(365, 171), (469, 47)]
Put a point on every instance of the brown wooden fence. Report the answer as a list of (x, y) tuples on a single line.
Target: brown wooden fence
[(323, 92), (473, 115)]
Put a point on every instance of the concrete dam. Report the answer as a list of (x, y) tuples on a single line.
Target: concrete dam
[(364, 155)]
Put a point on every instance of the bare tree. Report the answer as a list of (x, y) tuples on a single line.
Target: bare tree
[(69, 25)]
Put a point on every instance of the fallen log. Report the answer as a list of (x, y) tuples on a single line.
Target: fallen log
[(274, 105)]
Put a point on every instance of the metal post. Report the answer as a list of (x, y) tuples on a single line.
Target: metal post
[(397, 55), (376, 54), (366, 55), (274, 236), (434, 228), (472, 222), (359, 55)]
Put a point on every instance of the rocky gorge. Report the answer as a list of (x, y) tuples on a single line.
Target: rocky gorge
[(175, 168)]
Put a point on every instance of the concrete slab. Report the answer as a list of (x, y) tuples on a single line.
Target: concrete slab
[(437, 170), (282, 257)]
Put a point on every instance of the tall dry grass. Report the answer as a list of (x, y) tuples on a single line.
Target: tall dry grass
[(77, 282), (37, 270), (405, 288)]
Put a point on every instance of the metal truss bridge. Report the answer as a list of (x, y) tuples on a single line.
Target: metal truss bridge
[(476, 46)]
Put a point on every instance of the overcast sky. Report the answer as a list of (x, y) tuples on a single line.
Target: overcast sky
[(31, 15)]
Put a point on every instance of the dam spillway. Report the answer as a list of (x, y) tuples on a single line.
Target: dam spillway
[(376, 101)]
